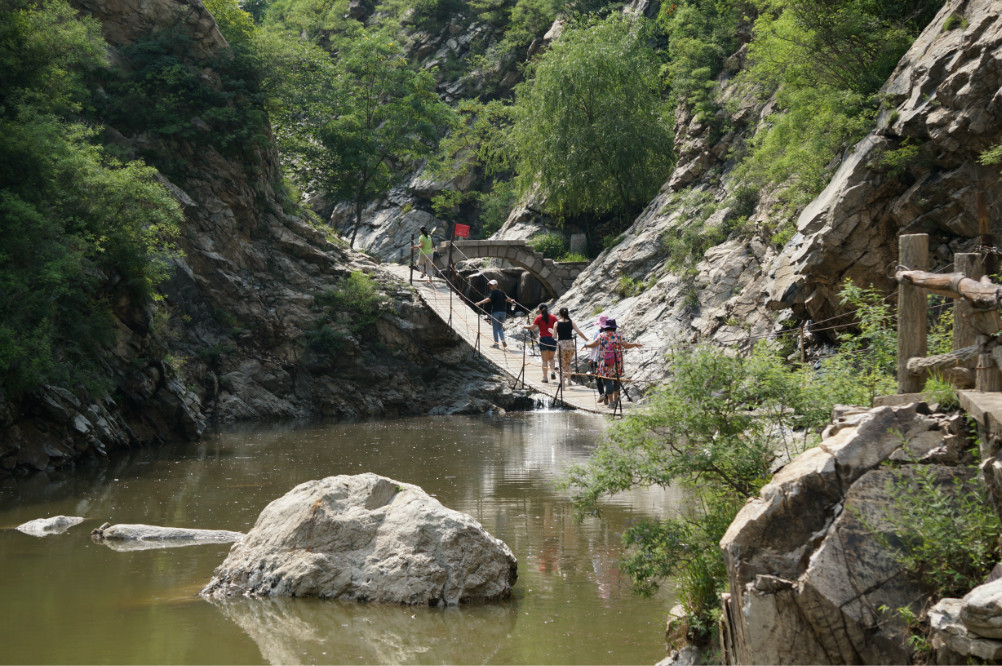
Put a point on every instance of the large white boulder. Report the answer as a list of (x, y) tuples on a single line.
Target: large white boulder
[(366, 538)]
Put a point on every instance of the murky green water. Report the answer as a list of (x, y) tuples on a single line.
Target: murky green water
[(66, 599)]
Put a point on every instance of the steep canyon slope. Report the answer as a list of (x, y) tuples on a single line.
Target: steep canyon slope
[(942, 102), (241, 334)]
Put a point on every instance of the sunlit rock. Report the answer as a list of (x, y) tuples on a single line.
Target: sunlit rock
[(144, 537), (45, 526), (366, 538)]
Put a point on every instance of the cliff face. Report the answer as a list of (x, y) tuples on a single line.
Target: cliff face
[(941, 108), (942, 99), (235, 337)]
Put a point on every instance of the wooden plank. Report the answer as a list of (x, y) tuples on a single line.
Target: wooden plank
[(913, 253)]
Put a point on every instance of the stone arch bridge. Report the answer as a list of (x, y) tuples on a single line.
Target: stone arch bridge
[(556, 277)]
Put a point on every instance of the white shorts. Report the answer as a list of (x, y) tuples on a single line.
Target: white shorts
[(426, 262)]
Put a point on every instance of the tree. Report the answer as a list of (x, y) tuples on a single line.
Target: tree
[(589, 126), (79, 230), (357, 122)]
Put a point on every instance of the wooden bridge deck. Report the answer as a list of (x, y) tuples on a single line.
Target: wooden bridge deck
[(472, 328)]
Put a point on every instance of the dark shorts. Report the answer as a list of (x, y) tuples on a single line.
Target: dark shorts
[(547, 344)]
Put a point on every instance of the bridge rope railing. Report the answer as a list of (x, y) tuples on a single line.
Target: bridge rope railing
[(451, 278)]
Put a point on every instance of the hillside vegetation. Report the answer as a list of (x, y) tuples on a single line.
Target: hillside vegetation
[(580, 126)]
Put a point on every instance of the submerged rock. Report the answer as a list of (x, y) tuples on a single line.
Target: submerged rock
[(143, 537), (366, 538), (41, 527)]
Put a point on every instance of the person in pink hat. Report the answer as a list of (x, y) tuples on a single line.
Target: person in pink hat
[(594, 357), (611, 344)]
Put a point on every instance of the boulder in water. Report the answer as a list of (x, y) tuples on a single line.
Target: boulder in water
[(145, 537), (41, 527), (366, 538)]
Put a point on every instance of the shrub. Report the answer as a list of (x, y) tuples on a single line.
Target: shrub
[(356, 295), (550, 245), (715, 429), (941, 528)]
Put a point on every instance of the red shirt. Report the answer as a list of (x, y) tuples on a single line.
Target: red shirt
[(545, 325)]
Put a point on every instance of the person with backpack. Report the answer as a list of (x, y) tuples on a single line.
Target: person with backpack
[(544, 322), (565, 344), (610, 344)]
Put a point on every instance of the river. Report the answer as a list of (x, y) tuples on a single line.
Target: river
[(68, 600)]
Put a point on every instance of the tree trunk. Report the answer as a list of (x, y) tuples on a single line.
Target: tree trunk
[(358, 221)]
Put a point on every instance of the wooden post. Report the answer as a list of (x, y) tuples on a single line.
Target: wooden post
[(412, 259), (963, 334), (985, 239), (913, 253)]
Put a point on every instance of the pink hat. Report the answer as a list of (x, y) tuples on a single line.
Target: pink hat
[(602, 320)]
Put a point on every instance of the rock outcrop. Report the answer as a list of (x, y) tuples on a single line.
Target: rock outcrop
[(943, 103), (366, 538), (807, 560), (244, 339)]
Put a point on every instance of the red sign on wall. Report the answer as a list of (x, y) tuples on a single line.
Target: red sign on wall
[(461, 231)]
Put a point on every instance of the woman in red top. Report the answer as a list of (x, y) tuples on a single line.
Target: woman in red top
[(544, 323)]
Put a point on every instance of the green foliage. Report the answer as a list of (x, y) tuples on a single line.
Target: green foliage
[(353, 125), (590, 130), (701, 34), (611, 241), (165, 91), (686, 244), (897, 161), (236, 24), (991, 156), (715, 429), (942, 529), (550, 245), (797, 150), (824, 61), (314, 19), (940, 390), (627, 286), (495, 207), (328, 340), (572, 257), (954, 20), (82, 232), (356, 298), (866, 363)]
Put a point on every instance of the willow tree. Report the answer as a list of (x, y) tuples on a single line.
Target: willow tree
[(590, 130)]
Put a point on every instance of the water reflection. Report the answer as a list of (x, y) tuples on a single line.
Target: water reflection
[(571, 604), (297, 631)]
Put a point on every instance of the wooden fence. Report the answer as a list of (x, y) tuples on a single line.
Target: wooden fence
[(976, 350)]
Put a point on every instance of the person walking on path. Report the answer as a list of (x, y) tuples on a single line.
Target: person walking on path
[(544, 323), (595, 358), (565, 344), (426, 253), (611, 345), (499, 311)]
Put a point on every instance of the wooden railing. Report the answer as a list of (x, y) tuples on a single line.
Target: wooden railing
[(976, 318)]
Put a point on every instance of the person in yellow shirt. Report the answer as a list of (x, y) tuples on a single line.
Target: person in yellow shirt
[(426, 253)]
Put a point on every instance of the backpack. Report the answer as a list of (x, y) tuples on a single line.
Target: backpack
[(611, 356)]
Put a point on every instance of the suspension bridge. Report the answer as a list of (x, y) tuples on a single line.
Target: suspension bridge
[(520, 362)]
